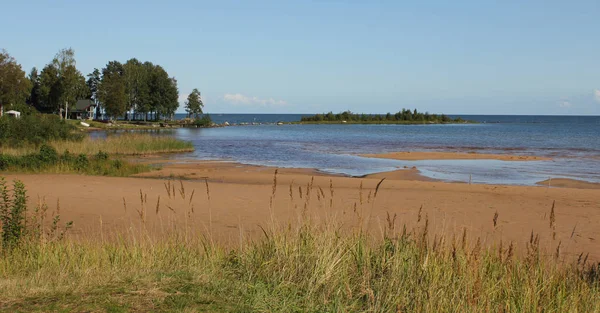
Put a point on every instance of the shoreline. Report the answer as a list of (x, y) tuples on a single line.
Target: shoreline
[(191, 169), (421, 155)]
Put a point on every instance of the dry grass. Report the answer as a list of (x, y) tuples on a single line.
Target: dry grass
[(312, 266), (124, 144)]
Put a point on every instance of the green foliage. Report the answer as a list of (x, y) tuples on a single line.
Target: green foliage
[(48, 160), (111, 91), (204, 121), (101, 155), (48, 154), (17, 229), (93, 84), (194, 105), (12, 212), (404, 116), (35, 129), (81, 163), (61, 84), (14, 85)]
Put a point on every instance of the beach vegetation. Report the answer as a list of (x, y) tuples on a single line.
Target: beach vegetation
[(116, 144), (315, 265), (48, 160), (33, 128), (203, 121)]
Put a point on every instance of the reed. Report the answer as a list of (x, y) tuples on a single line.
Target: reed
[(124, 144)]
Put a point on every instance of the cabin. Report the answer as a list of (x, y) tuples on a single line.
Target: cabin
[(84, 110)]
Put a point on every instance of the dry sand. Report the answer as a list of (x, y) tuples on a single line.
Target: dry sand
[(240, 203), (417, 155)]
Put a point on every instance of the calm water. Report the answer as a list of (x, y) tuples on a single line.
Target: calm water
[(573, 143)]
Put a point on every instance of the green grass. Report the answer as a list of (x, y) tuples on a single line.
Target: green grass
[(47, 160), (123, 144)]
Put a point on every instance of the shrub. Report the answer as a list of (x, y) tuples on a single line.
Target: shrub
[(204, 121), (101, 155), (48, 154), (82, 162), (12, 212), (35, 129)]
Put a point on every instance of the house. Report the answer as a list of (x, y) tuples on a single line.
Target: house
[(84, 109)]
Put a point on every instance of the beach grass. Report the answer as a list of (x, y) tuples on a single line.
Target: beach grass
[(308, 269), (310, 266), (122, 144)]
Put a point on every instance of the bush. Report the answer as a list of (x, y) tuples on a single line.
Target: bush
[(35, 129), (204, 121), (101, 155), (82, 162), (48, 154)]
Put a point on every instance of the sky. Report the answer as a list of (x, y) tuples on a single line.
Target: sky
[(453, 57)]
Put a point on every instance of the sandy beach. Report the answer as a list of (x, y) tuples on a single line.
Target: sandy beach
[(240, 198)]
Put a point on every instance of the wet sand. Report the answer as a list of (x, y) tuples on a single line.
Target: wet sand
[(240, 198), (417, 155), (568, 183)]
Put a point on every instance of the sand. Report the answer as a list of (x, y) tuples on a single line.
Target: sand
[(415, 156), (568, 183), (240, 203)]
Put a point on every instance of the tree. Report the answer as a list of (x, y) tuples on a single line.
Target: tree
[(35, 96), (171, 98), (144, 99), (71, 81), (14, 86), (49, 89), (194, 105), (93, 83), (111, 91), (61, 84), (163, 95), (134, 81)]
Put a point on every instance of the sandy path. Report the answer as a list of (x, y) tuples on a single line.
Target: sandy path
[(240, 197), (417, 155)]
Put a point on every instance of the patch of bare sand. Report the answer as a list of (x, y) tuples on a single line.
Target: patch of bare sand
[(240, 202), (420, 155), (569, 183)]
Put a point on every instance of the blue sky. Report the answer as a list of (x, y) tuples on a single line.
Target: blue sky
[(470, 57)]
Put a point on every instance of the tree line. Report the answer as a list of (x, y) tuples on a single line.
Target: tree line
[(404, 115), (132, 90)]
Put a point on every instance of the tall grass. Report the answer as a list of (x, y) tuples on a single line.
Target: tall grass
[(48, 160), (313, 266), (125, 144)]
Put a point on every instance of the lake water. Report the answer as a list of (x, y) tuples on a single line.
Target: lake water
[(572, 142)]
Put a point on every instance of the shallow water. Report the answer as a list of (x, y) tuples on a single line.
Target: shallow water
[(572, 142)]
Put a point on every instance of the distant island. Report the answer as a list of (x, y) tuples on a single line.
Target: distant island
[(402, 117)]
